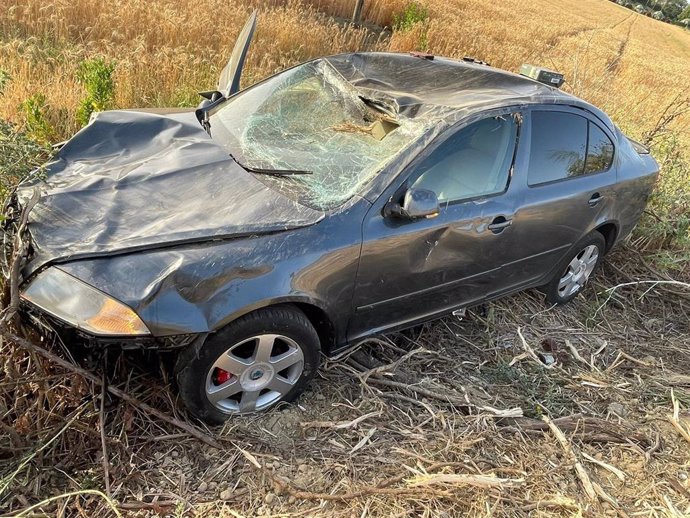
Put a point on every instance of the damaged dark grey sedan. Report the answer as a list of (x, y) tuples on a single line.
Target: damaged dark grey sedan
[(348, 196)]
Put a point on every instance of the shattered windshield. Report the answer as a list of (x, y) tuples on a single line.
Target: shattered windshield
[(309, 120)]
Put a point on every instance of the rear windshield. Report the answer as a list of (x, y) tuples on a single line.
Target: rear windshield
[(310, 119)]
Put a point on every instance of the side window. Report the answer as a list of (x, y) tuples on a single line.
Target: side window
[(599, 151), (473, 162), (558, 146)]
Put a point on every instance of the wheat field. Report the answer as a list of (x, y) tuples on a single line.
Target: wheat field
[(630, 65)]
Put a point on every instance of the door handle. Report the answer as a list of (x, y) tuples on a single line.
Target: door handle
[(596, 198), (499, 224)]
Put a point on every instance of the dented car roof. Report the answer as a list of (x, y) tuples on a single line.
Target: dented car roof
[(445, 89)]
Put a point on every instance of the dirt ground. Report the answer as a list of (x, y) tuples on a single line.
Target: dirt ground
[(517, 409)]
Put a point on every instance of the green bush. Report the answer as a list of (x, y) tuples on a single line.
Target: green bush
[(412, 14), (38, 124), (664, 230), (19, 155), (96, 75)]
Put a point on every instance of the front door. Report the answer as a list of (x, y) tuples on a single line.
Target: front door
[(411, 270)]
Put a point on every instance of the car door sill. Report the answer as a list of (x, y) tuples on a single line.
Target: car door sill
[(399, 326), (375, 305)]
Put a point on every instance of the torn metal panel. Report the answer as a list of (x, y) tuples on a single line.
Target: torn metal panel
[(443, 89), (132, 180)]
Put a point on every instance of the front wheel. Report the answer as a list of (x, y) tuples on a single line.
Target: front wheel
[(250, 365), (575, 270)]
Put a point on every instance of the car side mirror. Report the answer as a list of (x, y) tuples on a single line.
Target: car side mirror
[(417, 204)]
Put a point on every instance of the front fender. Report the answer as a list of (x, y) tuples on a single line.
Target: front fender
[(201, 288)]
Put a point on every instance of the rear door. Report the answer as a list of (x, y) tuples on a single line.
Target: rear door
[(414, 269), (567, 182)]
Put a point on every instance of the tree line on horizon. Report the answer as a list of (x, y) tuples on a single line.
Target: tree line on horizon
[(670, 11)]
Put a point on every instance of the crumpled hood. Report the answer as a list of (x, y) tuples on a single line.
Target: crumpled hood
[(135, 180)]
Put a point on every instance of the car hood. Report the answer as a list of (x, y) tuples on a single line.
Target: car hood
[(134, 180)]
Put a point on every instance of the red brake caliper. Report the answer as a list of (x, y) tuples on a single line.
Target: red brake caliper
[(220, 376)]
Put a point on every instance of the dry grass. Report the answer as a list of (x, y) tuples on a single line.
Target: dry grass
[(417, 424)]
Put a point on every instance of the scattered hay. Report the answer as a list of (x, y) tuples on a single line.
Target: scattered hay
[(431, 420)]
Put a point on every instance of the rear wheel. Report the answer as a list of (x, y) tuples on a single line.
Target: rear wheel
[(576, 269), (250, 365)]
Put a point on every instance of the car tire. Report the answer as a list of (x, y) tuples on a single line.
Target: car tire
[(250, 365), (576, 269)]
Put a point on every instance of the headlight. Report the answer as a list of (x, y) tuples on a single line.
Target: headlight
[(81, 305)]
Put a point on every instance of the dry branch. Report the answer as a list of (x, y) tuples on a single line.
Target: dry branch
[(675, 418), (188, 428), (19, 251), (572, 456), (383, 487), (377, 371), (529, 353), (576, 354), (449, 396), (485, 481), (104, 445), (339, 425), (589, 429), (620, 474)]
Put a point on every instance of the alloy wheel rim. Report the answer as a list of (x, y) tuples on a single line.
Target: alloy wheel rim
[(578, 271), (254, 374)]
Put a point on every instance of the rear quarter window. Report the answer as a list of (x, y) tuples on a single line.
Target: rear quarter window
[(565, 145), (599, 150)]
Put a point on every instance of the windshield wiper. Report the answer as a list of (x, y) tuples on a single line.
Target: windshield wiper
[(276, 172), (273, 172)]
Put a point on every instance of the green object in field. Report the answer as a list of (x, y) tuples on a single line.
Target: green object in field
[(97, 77)]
